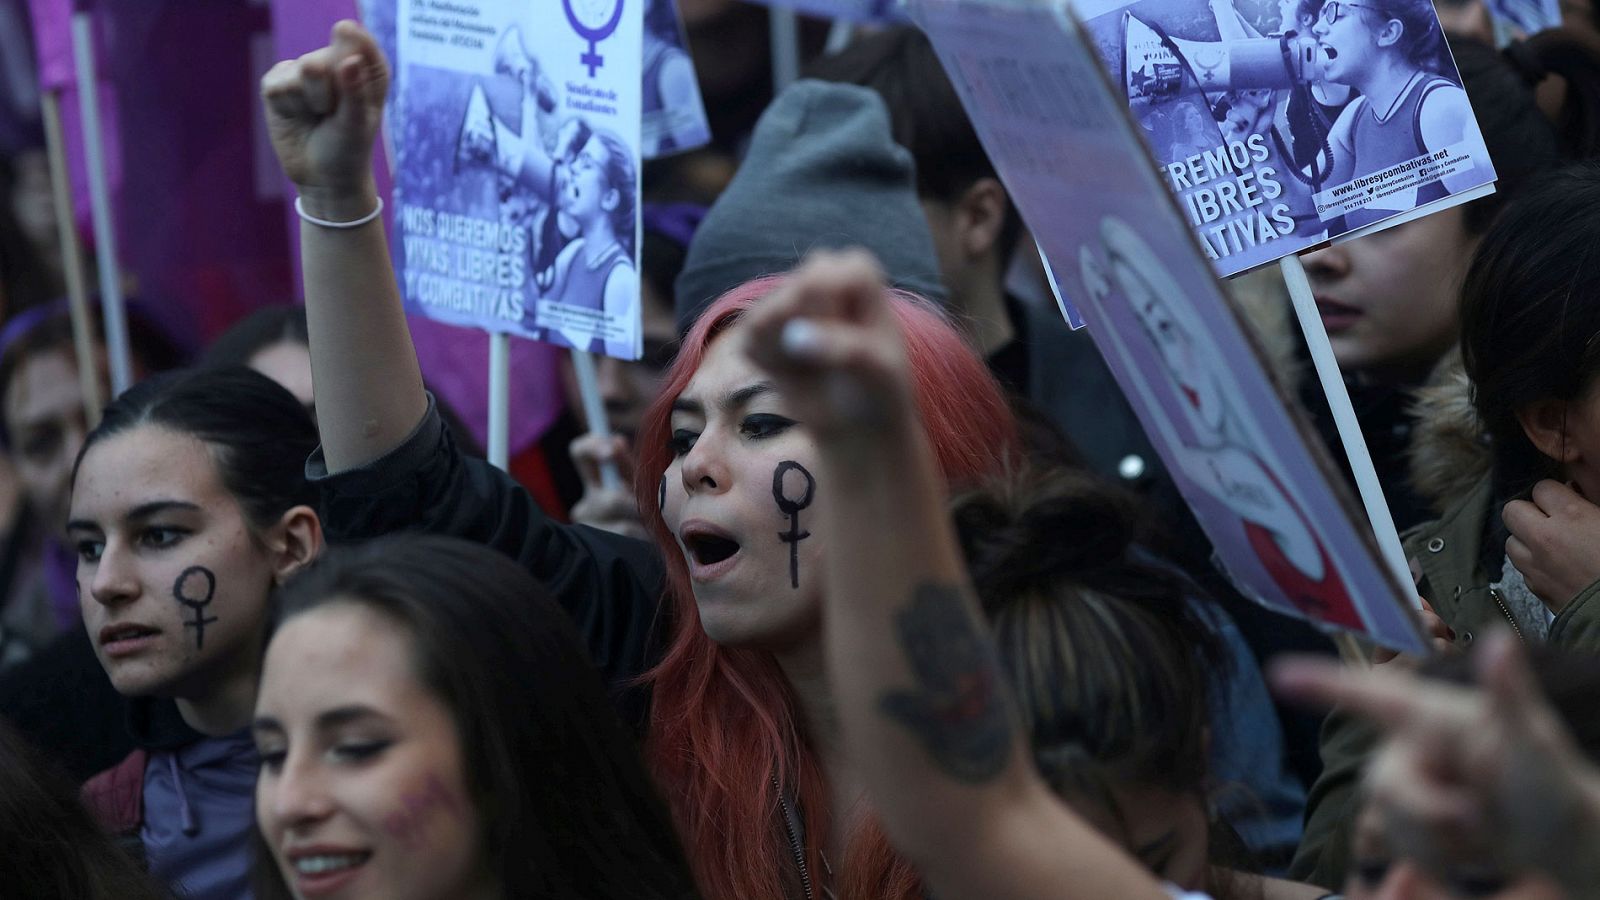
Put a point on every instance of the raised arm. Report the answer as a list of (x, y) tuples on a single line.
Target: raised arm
[(921, 698), (323, 112)]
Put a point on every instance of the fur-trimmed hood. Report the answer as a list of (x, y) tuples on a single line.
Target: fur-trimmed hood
[(1449, 451)]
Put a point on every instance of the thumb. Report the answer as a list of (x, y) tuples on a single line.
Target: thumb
[(360, 71)]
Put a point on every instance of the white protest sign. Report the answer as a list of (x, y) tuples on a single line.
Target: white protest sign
[(517, 170), (1281, 124), (1281, 520)]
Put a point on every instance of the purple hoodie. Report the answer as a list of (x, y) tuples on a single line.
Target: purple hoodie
[(199, 807)]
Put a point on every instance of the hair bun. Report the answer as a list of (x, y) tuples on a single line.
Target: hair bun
[(1036, 530)]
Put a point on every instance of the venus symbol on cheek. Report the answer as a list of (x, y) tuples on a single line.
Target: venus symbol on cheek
[(194, 589), (791, 508)]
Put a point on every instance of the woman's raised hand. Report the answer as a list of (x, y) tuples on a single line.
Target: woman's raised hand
[(830, 341), (323, 112), (1471, 776)]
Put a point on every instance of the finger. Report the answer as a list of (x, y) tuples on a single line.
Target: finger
[(1436, 626), (586, 452), (1415, 796), (1522, 517), (364, 79), (1504, 673), (1555, 498), (348, 38), (1520, 554), (1387, 698), (316, 82), (847, 284), (621, 456), (287, 102), (830, 346)]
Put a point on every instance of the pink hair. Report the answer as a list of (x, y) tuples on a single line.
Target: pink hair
[(724, 723)]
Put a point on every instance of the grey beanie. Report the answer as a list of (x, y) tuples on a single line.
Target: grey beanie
[(822, 172)]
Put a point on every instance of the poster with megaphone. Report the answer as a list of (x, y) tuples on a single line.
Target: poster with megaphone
[(1276, 509), (517, 144), (1280, 124)]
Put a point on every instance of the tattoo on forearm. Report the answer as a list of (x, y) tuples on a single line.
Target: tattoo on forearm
[(957, 709)]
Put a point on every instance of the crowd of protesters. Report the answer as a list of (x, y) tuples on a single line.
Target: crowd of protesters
[(271, 627)]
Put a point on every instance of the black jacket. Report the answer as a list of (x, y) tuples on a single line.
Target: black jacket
[(610, 585)]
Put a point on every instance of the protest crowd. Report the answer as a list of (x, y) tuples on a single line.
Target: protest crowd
[(854, 571)]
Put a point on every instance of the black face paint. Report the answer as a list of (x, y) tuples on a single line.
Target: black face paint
[(791, 508), (187, 590), (661, 504)]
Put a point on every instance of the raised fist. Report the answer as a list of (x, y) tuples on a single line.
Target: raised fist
[(323, 112)]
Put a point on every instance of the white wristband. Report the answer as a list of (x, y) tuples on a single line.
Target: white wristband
[(324, 223)]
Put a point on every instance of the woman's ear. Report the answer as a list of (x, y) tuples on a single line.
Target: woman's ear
[(1545, 424), (295, 543), (1390, 33), (980, 216), (610, 199)]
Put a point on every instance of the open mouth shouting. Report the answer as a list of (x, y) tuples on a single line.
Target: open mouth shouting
[(710, 551)]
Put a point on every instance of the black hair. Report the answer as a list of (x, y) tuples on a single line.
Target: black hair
[(53, 848), (1108, 662), (925, 115), (1530, 326), (1521, 140), (259, 434), (566, 806), (266, 327)]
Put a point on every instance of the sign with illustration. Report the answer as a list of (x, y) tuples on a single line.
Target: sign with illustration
[(517, 168), (1280, 124), (1280, 517)]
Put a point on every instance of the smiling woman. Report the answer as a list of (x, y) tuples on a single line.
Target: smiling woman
[(430, 729)]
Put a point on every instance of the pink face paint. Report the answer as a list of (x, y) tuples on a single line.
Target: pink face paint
[(410, 822)]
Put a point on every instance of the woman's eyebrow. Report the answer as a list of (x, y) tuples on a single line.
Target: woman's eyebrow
[(747, 393), (156, 507), (344, 715), (138, 514)]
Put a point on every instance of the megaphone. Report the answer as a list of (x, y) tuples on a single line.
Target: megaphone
[(1153, 63)]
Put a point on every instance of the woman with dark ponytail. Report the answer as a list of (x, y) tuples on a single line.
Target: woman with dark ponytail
[(189, 505)]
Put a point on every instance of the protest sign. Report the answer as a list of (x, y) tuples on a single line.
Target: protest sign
[(1259, 482), (1280, 124), (517, 178), (674, 116)]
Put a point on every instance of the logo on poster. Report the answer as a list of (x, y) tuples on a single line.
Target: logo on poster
[(594, 21)]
